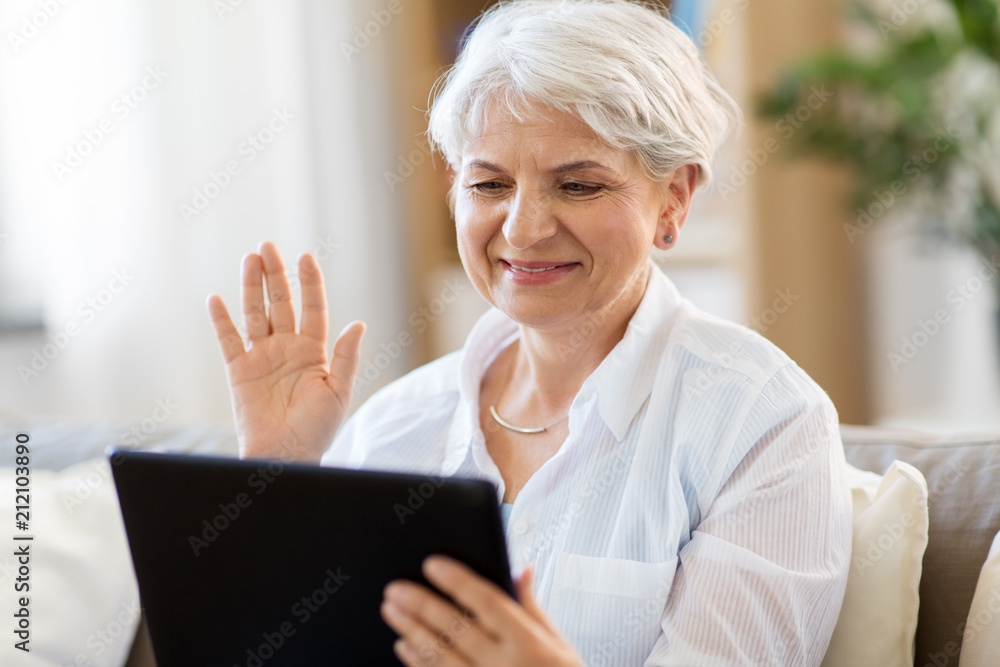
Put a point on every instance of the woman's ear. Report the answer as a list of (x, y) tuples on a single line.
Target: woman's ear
[(678, 188)]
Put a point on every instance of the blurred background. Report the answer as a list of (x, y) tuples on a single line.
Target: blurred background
[(147, 145)]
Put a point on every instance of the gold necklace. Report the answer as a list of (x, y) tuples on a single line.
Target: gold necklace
[(508, 425)]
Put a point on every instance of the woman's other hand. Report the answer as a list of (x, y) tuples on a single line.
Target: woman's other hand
[(287, 402), (491, 629)]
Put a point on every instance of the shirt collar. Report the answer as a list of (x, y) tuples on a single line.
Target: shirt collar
[(622, 382), (489, 336)]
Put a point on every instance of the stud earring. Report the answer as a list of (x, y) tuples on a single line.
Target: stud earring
[(669, 238)]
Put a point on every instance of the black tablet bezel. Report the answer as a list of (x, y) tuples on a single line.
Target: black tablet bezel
[(224, 549)]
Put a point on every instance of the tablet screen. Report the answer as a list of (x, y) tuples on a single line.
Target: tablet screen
[(262, 563)]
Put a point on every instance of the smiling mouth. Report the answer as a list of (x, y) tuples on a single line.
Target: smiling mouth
[(533, 269), (527, 270)]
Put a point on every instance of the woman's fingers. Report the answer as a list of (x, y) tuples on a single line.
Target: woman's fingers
[(252, 295), (279, 294), (435, 627), (278, 314), (229, 338), (346, 355), (496, 612), (314, 322)]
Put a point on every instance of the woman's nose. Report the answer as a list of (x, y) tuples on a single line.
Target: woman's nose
[(529, 220)]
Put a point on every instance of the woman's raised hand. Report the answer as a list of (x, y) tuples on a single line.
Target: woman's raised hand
[(287, 402)]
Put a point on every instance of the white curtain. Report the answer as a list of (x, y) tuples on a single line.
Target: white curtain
[(145, 147)]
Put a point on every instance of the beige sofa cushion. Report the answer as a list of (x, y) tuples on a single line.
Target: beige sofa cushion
[(878, 620), (963, 481)]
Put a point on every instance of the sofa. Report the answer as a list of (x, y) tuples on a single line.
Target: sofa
[(962, 474)]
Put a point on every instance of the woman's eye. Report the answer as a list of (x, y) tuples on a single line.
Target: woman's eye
[(488, 186), (581, 188)]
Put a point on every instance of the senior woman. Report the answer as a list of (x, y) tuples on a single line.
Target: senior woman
[(674, 485)]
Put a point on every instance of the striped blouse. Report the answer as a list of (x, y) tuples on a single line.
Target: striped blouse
[(698, 511)]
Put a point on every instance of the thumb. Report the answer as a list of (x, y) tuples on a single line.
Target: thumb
[(346, 357), (522, 586)]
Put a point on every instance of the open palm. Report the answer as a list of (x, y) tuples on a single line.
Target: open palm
[(287, 402)]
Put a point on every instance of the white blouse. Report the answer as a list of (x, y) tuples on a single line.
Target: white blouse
[(698, 512)]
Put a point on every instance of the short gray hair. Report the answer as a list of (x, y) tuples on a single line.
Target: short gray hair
[(622, 67)]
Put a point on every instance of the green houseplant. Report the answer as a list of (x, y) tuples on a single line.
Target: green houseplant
[(915, 111)]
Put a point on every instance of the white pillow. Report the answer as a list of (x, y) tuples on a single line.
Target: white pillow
[(84, 602), (981, 641), (878, 620)]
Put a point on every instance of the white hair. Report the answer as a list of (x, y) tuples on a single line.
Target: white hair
[(621, 67)]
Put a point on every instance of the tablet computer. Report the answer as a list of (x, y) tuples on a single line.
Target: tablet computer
[(257, 563)]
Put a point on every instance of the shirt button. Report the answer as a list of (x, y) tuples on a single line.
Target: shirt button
[(520, 528)]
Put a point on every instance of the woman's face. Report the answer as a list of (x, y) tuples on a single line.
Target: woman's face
[(555, 226)]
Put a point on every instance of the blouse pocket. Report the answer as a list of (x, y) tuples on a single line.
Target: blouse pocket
[(610, 608)]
